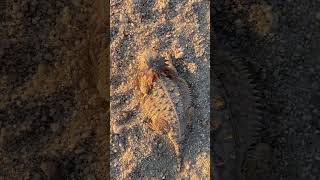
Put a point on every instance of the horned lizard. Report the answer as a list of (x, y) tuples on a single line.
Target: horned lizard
[(165, 100), (238, 152)]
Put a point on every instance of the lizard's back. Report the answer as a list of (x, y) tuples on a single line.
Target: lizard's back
[(166, 107)]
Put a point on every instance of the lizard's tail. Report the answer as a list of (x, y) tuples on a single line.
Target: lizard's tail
[(179, 150), (180, 156), (180, 161)]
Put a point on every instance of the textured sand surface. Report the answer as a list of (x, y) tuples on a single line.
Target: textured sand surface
[(53, 90), (281, 40), (172, 28)]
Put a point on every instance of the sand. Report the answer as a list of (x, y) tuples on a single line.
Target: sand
[(172, 28)]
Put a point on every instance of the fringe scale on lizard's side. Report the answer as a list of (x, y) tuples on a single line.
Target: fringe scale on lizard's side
[(236, 118)]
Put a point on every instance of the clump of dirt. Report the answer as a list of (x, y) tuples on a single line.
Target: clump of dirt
[(175, 29), (54, 100)]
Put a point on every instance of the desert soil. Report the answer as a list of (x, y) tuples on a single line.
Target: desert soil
[(177, 29)]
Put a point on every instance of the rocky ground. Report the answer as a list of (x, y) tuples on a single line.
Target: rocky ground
[(281, 41)]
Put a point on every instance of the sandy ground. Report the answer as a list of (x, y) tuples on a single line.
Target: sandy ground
[(281, 42), (53, 90), (177, 28)]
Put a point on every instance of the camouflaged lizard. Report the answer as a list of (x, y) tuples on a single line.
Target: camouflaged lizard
[(238, 152), (165, 100)]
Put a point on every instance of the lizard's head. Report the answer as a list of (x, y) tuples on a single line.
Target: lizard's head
[(160, 66), (156, 64), (153, 67)]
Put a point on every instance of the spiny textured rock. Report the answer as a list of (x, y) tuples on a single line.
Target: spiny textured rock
[(236, 122), (165, 101)]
